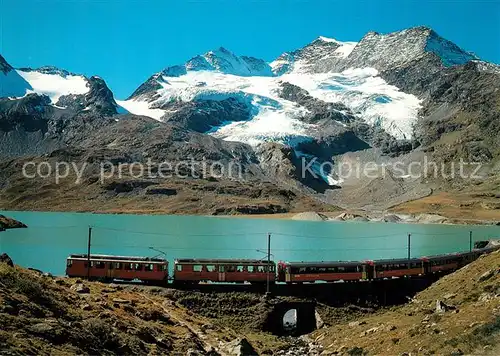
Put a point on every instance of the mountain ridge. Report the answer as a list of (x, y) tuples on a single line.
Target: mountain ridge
[(401, 94)]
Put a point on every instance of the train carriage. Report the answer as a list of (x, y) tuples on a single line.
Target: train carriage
[(108, 268), (223, 270), (393, 268), (448, 262), (300, 272)]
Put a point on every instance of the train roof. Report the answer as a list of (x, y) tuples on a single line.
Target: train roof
[(446, 256), (397, 260), (324, 264), (221, 260), (117, 258)]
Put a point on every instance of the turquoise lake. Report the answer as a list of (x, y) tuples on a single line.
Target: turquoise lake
[(51, 237)]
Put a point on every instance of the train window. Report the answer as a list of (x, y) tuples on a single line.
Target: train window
[(92, 264), (69, 263), (260, 269), (162, 267), (100, 264), (117, 265), (197, 268), (148, 267), (210, 268), (341, 269), (250, 269), (239, 269), (221, 269), (231, 268), (138, 266), (179, 268), (302, 270)]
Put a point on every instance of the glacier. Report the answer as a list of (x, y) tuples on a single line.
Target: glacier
[(54, 85), (279, 120)]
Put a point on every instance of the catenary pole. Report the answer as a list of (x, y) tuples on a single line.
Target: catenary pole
[(268, 262), (88, 252)]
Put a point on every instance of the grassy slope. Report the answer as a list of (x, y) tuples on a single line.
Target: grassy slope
[(474, 327)]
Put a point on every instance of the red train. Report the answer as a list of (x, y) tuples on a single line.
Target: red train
[(192, 271), (107, 268), (188, 271)]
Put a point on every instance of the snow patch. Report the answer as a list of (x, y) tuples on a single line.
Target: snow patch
[(54, 85), (361, 90), (345, 49), (140, 108)]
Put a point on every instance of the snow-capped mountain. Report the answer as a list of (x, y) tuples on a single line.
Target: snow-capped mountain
[(63, 89), (389, 94), (219, 75), (54, 82)]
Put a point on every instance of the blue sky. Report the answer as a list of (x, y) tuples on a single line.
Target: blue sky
[(126, 41)]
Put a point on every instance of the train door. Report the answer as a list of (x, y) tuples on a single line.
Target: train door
[(368, 271), (109, 270), (222, 273)]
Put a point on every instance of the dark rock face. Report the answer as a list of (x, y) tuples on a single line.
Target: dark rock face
[(461, 106), (49, 70), (4, 66), (161, 191), (149, 87), (319, 109), (99, 99), (314, 55), (202, 116), (28, 113), (4, 258)]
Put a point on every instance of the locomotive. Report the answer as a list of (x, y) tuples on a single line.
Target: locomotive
[(192, 271)]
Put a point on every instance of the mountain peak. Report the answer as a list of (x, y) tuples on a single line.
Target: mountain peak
[(327, 39), (50, 70), (386, 51), (221, 60), (315, 54)]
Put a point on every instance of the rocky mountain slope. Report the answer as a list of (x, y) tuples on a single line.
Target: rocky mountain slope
[(459, 314), (388, 97)]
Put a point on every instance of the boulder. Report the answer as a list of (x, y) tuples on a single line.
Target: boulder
[(486, 275), (4, 258), (240, 347), (80, 288), (319, 321), (121, 301), (441, 307)]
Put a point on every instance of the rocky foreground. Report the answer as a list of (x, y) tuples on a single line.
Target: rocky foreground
[(457, 315), (40, 314)]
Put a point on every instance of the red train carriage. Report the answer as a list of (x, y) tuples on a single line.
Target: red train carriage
[(299, 272), (223, 270), (449, 262), (108, 267), (396, 268)]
